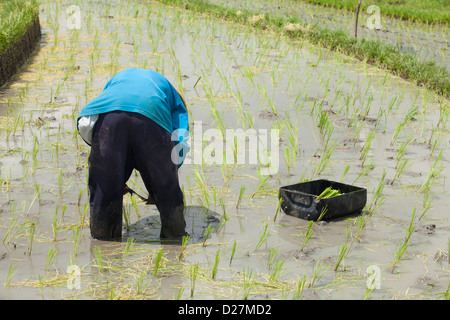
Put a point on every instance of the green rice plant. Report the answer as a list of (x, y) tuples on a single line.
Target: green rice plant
[(233, 251), (401, 248), (410, 114), (216, 264), (366, 147), (365, 170), (400, 167), (308, 234), (141, 282), (98, 258), (55, 226), (248, 279), (184, 242), (324, 160), (129, 246), (426, 202), (241, 195), (273, 254), (276, 270), (289, 158), (317, 274), (343, 250), (14, 228), (193, 277), (208, 231), (299, 288), (263, 237), (51, 256), (222, 205), (433, 173), (347, 167), (157, 265), (329, 192), (9, 275), (76, 233), (261, 185), (378, 198), (360, 224), (30, 233), (280, 200)]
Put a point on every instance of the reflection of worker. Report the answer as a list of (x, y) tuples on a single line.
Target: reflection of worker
[(134, 124)]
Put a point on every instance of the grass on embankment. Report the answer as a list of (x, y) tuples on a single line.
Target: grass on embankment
[(428, 11), (405, 65), (15, 18)]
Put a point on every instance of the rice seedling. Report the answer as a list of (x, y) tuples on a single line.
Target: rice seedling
[(263, 236), (207, 233), (157, 265), (277, 270), (233, 251), (401, 248), (299, 288), (366, 147), (216, 264), (141, 282), (410, 114), (51, 256), (280, 200), (426, 202), (31, 233), (433, 173), (14, 229), (98, 258), (135, 205), (343, 251), (184, 242), (247, 282), (193, 277), (308, 234), (241, 195), (9, 275), (317, 274), (55, 226), (328, 192), (378, 198)]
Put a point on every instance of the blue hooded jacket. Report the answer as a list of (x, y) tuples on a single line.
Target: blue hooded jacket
[(149, 93)]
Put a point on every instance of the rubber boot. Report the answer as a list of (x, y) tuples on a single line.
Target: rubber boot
[(106, 223), (174, 226)]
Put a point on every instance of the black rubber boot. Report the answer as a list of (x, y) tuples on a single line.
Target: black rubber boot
[(106, 224), (174, 226)]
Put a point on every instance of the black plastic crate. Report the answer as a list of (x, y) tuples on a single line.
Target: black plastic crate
[(300, 200)]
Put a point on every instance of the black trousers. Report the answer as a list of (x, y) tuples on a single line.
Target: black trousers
[(123, 141)]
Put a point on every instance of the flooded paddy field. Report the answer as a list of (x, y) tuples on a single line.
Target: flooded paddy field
[(336, 119), (427, 41)]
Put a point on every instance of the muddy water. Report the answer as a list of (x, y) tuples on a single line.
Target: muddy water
[(430, 42), (44, 167)]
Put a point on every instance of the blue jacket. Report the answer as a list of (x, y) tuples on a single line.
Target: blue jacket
[(149, 93)]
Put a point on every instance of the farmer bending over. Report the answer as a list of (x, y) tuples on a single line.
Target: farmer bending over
[(135, 123)]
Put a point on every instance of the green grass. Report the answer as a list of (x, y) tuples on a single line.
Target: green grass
[(15, 18), (428, 11), (375, 52)]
